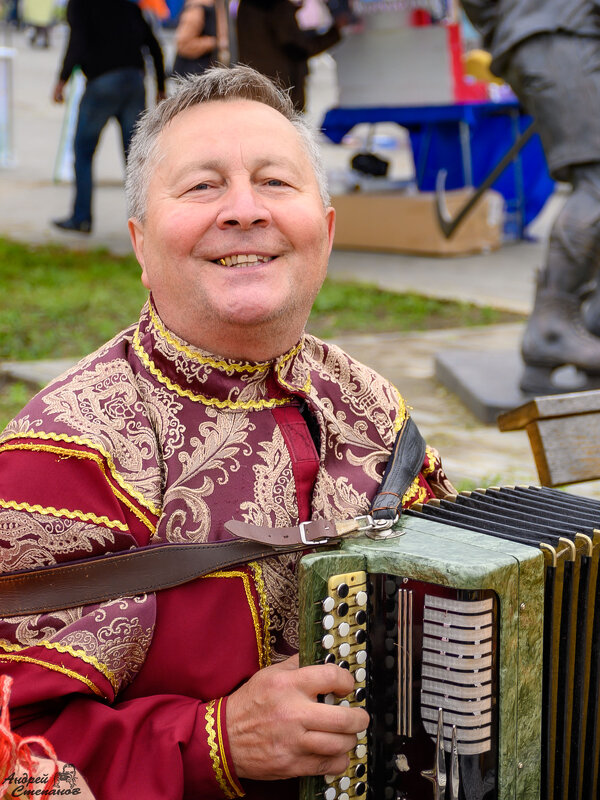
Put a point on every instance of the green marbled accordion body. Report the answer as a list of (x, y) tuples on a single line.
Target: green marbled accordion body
[(478, 651)]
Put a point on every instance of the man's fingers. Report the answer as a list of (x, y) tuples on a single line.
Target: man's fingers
[(325, 679), (327, 744), (336, 719)]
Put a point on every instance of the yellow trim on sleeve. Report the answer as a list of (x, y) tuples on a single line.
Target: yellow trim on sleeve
[(55, 668), (235, 787), (214, 752), (63, 437), (65, 452), (65, 648), (50, 511), (241, 405)]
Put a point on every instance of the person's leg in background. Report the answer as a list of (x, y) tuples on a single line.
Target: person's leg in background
[(98, 104)]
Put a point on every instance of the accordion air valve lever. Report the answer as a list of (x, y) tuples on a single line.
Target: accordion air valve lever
[(481, 656)]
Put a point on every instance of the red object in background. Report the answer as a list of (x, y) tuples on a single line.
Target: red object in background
[(465, 91), (420, 17)]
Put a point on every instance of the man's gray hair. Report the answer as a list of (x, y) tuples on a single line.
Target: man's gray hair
[(217, 83)]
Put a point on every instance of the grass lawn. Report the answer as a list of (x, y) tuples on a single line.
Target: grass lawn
[(60, 303)]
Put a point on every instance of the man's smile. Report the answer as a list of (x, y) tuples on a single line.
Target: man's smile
[(243, 260)]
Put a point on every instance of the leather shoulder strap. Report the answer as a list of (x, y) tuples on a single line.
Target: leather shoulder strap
[(405, 463), (123, 574), (161, 566)]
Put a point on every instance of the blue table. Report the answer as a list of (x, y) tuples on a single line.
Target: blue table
[(467, 140)]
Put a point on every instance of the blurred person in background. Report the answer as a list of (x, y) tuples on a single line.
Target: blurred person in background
[(107, 42), (271, 40), (197, 39)]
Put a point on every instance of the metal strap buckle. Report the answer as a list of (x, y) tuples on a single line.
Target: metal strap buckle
[(378, 528), (306, 541)]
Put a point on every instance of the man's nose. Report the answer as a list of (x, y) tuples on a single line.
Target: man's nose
[(243, 207)]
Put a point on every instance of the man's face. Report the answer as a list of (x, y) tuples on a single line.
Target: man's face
[(236, 240)]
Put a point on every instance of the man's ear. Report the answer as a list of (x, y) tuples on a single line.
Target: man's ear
[(136, 233), (330, 218)]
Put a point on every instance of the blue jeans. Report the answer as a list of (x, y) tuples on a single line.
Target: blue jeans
[(120, 94)]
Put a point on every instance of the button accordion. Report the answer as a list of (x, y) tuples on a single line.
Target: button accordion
[(474, 641)]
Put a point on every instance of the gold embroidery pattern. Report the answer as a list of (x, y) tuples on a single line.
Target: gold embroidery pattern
[(238, 791), (63, 437), (282, 363), (264, 606), (252, 606), (61, 648), (434, 461), (262, 366), (214, 752), (64, 512), (401, 415), (242, 405), (66, 453), (55, 668), (416, 493)]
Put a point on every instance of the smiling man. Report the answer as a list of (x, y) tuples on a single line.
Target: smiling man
[(214, 406)]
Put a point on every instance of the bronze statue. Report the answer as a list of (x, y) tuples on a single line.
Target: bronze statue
[(549, 54)]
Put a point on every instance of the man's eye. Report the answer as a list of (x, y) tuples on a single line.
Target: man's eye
[(200, 187), (275, 182)]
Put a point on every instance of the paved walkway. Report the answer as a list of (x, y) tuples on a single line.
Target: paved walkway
[(474, 454)]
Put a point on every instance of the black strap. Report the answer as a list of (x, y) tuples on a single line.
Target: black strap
[(403, 466), (161, 566)]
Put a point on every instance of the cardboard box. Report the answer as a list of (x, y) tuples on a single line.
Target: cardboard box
[(406, 223)]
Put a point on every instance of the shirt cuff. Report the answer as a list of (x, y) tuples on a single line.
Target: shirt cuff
[(218, 743)]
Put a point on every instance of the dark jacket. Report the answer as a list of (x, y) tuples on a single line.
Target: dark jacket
[(505, 23), (109, 35), (270, 40)]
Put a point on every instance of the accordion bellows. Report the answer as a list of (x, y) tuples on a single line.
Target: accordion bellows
[(479, 652)]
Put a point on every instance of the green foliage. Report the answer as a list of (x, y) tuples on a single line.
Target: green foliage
[(58, 303), (358, 308)]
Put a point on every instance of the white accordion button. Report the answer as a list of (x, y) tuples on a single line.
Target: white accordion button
[(330, 793), (330, 778), (329, 699), (360, 675), (328, 641), (361, 750), (328, 622), (343, 630), (343, 796), (344, 649), (361, 598), (361, 656), (328, 604), (344, 783)]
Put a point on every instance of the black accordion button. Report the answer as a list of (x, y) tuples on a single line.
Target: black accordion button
[(342, 590)]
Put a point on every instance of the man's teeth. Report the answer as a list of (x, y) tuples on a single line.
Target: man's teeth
[(242, 260)]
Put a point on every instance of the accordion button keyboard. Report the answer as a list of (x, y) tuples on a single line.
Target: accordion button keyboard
[(345, 644)]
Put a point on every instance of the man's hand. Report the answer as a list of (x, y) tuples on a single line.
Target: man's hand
[(278, 730), (58, 93)]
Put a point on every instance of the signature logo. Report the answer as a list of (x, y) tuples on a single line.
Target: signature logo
[(20, 785)]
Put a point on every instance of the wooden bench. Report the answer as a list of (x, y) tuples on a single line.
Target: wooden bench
[(564, 433)]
